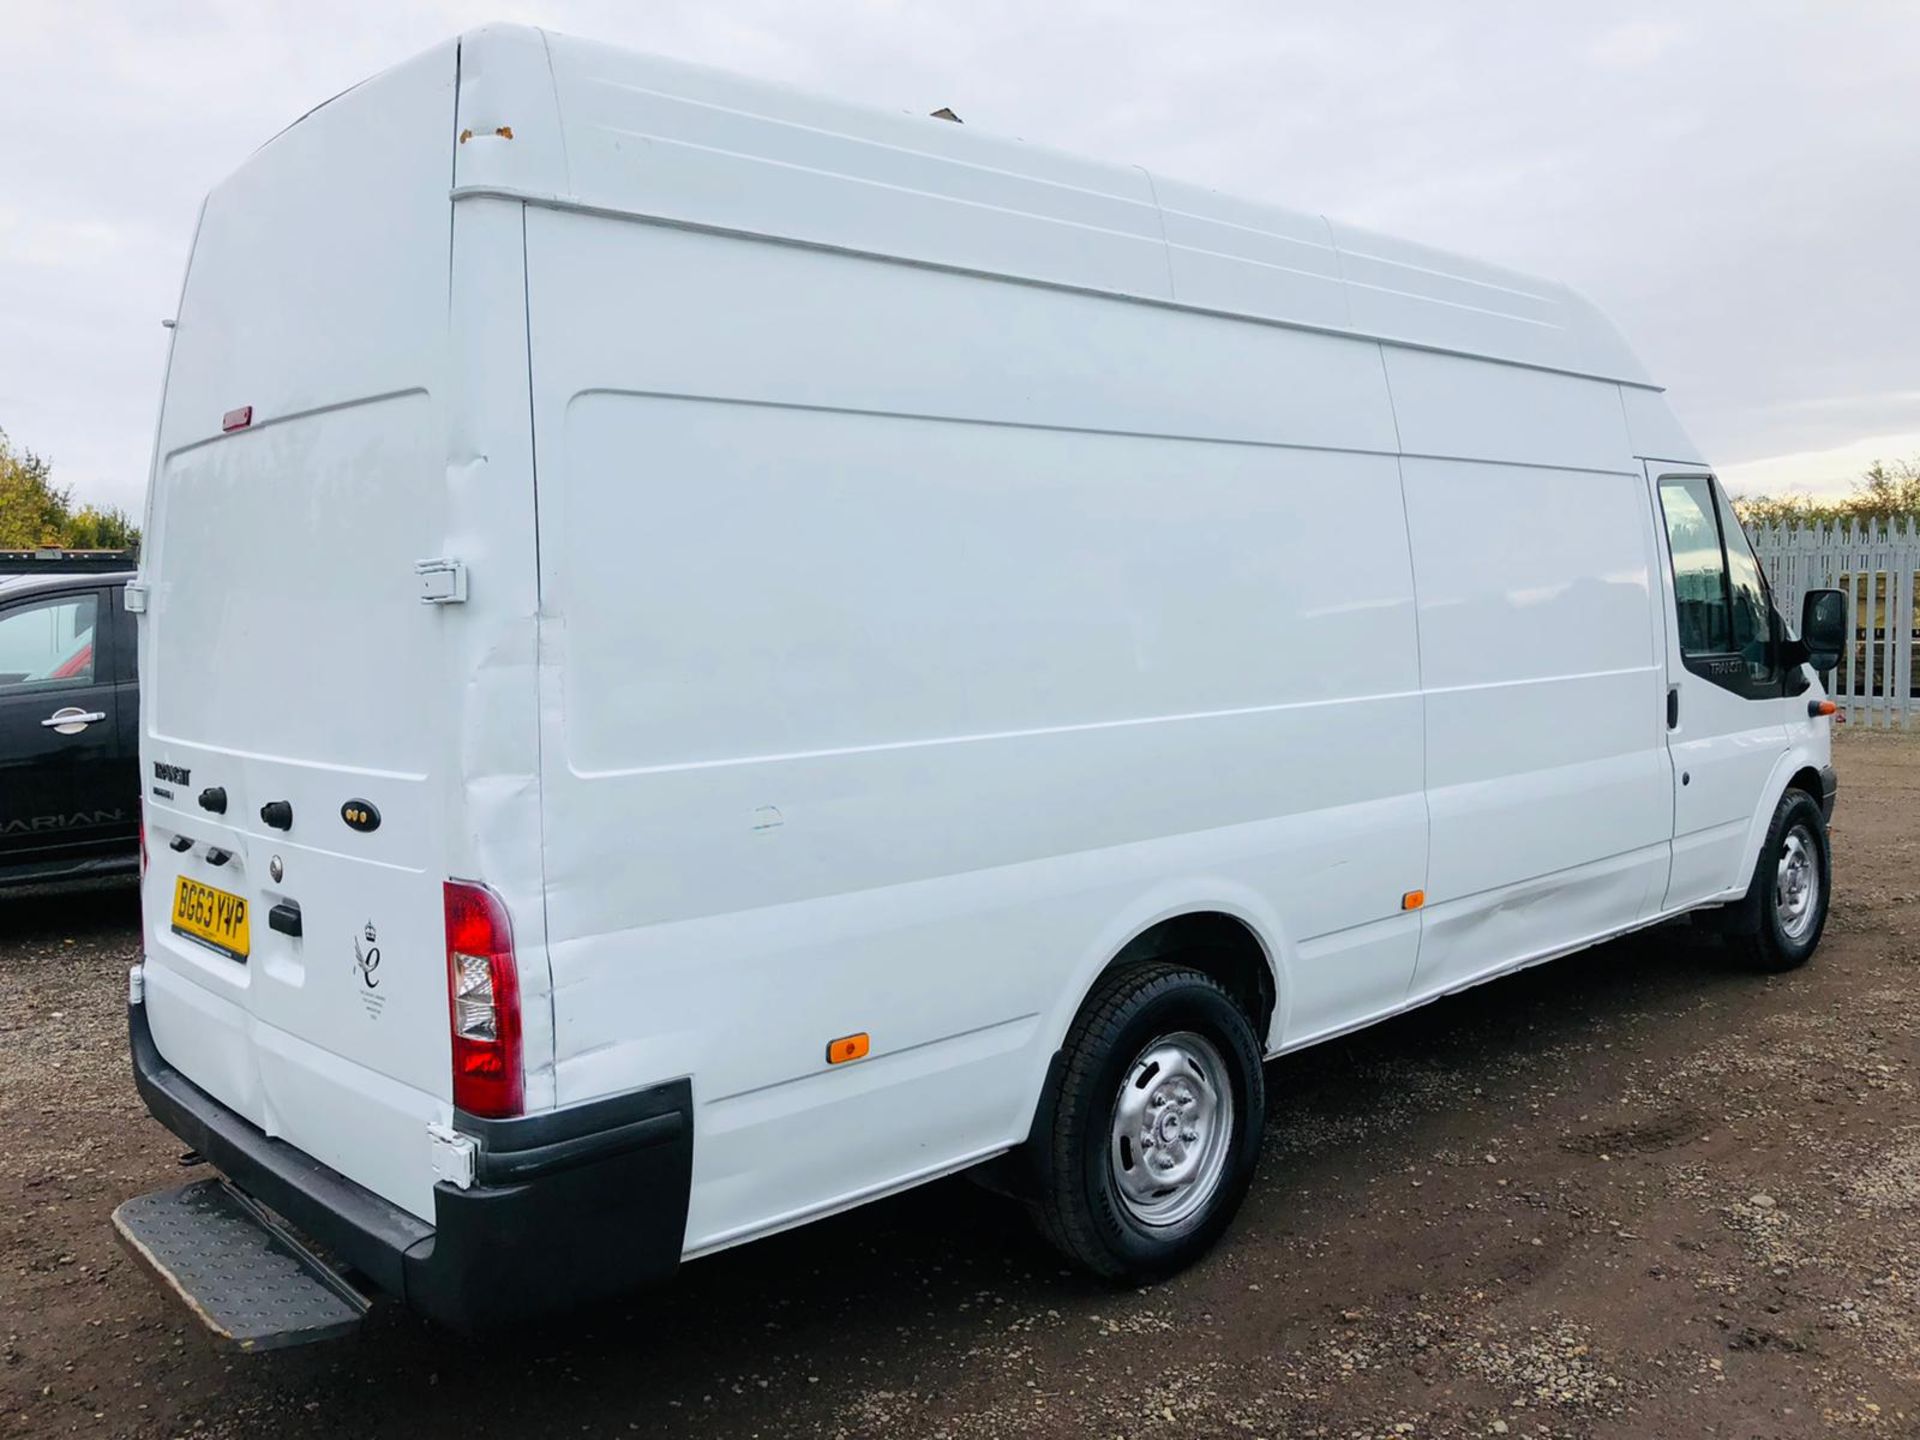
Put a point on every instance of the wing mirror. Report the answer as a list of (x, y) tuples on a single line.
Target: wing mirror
[(1823, 628)]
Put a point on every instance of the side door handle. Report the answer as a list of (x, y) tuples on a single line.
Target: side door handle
[(1673, 707), (71, 719)]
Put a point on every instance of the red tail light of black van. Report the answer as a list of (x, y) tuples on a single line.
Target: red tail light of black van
[(483, 1003)]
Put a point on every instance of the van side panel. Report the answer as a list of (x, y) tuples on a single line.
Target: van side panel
[(939, 654), (1533, 548)]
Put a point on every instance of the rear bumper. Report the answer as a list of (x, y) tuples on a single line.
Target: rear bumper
[(565, 1207)]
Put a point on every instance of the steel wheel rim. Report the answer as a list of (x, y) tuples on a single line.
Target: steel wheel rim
[(1172, 1128), (1796, 884)]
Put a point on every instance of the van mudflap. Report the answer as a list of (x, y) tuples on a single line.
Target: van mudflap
[(247, 1278)]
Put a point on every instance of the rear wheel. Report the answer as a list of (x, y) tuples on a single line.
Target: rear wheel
[(1778, 923), (1154, 1126)]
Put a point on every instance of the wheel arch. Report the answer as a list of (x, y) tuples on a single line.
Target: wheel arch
[(1163, 924), (1797, 769), (1232, 936)]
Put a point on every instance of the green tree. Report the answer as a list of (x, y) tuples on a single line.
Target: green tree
[(34, 511), (1884, 492), (92, 528), (1888, 490)]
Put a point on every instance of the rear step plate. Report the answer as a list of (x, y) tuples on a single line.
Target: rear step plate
[(254, 1285)]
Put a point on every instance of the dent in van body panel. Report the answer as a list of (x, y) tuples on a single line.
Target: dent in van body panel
[(304, 668), (346, 1116), (1547, 770), (1467, 940), (508, 133), (493, 526)]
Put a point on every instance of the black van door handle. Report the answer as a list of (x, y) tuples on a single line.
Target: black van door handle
[(1673, 707), (285, 917)]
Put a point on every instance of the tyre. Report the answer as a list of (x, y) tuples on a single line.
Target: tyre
[(1148, 1139), (1778, 924)]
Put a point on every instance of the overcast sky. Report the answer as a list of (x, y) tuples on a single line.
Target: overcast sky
[(1737, 183)]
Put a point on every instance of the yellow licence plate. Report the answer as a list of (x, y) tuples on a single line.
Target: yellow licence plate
[(213, 917)]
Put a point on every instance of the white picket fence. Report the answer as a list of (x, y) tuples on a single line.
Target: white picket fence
[(1877, 564)]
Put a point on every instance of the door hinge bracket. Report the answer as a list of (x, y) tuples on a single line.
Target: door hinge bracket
[(134, 597), (443, 580), (452, 1156)]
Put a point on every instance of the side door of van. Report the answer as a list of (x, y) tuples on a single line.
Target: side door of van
[(1726, 695), (59, 729)]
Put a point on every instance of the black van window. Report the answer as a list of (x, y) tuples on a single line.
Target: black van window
[(48, 644)]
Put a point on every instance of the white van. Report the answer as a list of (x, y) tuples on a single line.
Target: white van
[(710, 655)]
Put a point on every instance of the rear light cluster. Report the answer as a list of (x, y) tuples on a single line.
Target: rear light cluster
[(483, 1003)]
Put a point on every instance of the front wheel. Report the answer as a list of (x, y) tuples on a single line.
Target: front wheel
[(1778, 924), (1154, 1126)]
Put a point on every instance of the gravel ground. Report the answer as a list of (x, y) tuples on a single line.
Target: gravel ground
[(1634, 1193)]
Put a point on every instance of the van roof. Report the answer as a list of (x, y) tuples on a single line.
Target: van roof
[(559, 121)]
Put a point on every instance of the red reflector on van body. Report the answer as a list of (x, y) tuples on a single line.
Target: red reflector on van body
[(483, 1003), (236, 419)]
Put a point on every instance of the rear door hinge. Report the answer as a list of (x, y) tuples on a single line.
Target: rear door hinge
[(134, 598), (452, 1156), (443, 581)]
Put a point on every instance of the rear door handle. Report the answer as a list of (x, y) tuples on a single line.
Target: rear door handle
[(71, 719)]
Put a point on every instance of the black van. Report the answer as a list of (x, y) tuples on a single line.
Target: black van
[(69, 717)]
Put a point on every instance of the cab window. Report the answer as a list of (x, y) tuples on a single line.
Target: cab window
[(1722, 608), (1699, 568), (49, 644)]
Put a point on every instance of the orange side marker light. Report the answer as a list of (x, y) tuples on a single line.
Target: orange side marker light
[(1413, 899), (847, 1047), (1822, 707)]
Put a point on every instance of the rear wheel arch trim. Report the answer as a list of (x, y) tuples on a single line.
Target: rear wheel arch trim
[(1261, 927)]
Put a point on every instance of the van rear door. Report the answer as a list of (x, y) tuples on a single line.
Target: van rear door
[(296, 730)]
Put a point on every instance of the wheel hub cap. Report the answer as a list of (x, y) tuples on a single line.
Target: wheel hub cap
[(1172, 1125), (1796, 884)]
